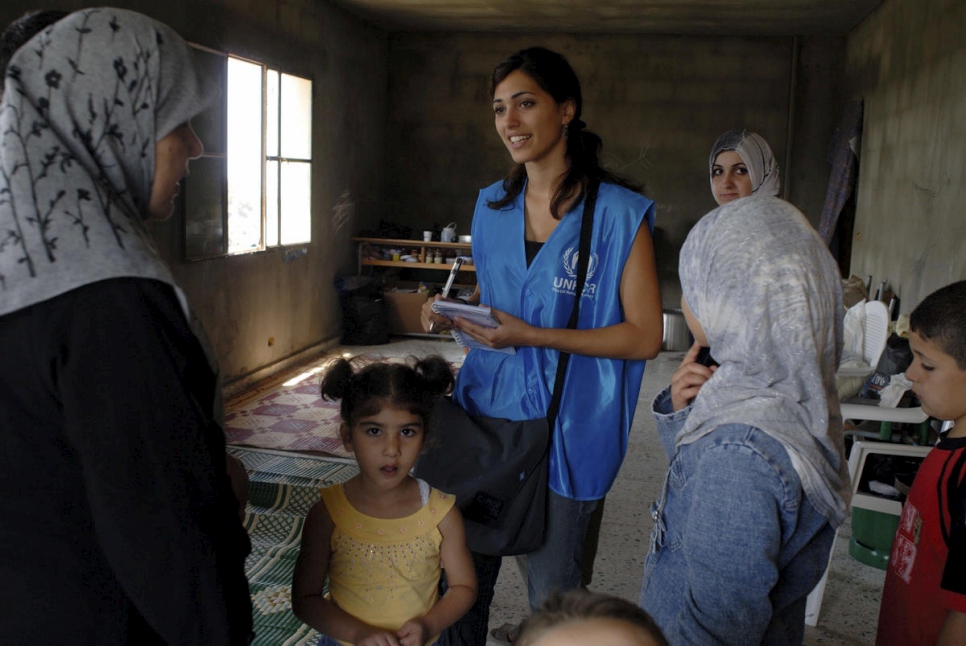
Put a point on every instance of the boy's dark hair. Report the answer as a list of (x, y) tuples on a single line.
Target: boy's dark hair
[(581, 603), (414, 386), (556, 77), (20, 31), (941, 318)]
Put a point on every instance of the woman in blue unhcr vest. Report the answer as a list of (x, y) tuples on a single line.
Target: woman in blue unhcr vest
[(525, 232)]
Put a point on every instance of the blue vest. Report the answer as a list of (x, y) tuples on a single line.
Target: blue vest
[(599, 395)]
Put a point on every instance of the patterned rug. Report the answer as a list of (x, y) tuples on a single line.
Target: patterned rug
[(283, 489), (288, 418)]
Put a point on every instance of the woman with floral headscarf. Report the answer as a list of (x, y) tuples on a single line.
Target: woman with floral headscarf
[(120, 525), (757, 481), (742, 164)]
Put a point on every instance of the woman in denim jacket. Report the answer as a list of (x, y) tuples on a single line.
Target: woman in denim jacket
[(757, 481)]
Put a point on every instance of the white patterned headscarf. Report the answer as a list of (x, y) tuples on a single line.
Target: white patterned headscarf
[(85, 102), (768, 296), (758, 158)]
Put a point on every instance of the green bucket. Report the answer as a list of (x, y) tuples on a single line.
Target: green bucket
[(872, 534)]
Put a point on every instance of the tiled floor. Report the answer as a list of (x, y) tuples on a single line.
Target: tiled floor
[(851, 602)]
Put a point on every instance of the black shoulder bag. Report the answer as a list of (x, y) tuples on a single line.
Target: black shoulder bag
[(497, 468)]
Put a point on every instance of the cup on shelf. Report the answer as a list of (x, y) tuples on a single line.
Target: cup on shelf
[(427, 236)]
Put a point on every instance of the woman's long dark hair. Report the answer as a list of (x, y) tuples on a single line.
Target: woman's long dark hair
[(556, 77)]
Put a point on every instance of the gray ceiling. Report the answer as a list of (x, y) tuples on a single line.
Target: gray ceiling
[(737, 17)]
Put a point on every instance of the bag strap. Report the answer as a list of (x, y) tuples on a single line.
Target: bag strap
[(583, 260)]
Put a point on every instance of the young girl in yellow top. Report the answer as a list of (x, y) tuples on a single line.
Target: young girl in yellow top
[(382, 536)]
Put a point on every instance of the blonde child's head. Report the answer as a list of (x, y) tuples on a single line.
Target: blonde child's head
[(583, 617), (937, 337), (414, 386)]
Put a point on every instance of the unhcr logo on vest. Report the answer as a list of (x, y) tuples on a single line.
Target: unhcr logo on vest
[(568, 285)]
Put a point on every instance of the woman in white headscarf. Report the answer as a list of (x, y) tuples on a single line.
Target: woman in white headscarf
[(742, 164), (757, 481), (119, 523)]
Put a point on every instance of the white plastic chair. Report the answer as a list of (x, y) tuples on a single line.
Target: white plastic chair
[(860, 451), (875, 336), (875, 333)]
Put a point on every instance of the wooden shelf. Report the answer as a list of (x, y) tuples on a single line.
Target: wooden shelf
[(415, 265), (391, 242), (405, 307), (411, 244)]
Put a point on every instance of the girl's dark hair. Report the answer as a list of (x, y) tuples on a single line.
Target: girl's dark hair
[(941, 318), (414, 386), (556, 77), (579, 604)]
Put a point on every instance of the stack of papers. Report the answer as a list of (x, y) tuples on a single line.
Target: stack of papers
[(478, 314)]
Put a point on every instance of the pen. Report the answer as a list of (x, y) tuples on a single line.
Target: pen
[(452, 276), (449, 284)]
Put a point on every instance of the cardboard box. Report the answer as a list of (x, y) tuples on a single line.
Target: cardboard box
[(404, 311)]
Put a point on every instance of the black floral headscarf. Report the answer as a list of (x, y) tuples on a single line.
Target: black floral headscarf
[(85, 102)]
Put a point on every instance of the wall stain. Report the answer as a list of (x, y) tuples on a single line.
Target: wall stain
[(294, 254), (343, 211)]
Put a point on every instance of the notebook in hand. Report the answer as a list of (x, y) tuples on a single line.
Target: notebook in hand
[(479, 314)]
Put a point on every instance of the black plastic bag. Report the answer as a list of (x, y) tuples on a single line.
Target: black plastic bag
[(365, 313), (896, 357)]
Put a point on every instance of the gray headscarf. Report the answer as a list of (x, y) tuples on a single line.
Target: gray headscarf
[(758, 158), (85, 102), (767, 293)]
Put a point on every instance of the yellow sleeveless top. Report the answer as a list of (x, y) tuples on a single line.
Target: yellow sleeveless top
[(385, 571)]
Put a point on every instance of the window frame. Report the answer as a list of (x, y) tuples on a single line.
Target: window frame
[(280, 159), (202, 238)]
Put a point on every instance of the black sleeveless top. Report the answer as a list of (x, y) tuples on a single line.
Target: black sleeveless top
[(532, 249)]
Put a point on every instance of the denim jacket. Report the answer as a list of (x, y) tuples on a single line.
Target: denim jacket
[(736, 546)]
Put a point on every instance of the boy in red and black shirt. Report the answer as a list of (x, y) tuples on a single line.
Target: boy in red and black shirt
[(924, 599)]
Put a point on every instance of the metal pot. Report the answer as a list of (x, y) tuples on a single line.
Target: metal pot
[(676, 334)]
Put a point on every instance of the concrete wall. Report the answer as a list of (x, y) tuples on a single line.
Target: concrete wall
[(403, 132), (908, 62), (244, 300), (658, 102), (816, 108)]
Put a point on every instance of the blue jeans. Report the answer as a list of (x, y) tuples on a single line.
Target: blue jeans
[(555, 566), (736, 545)]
